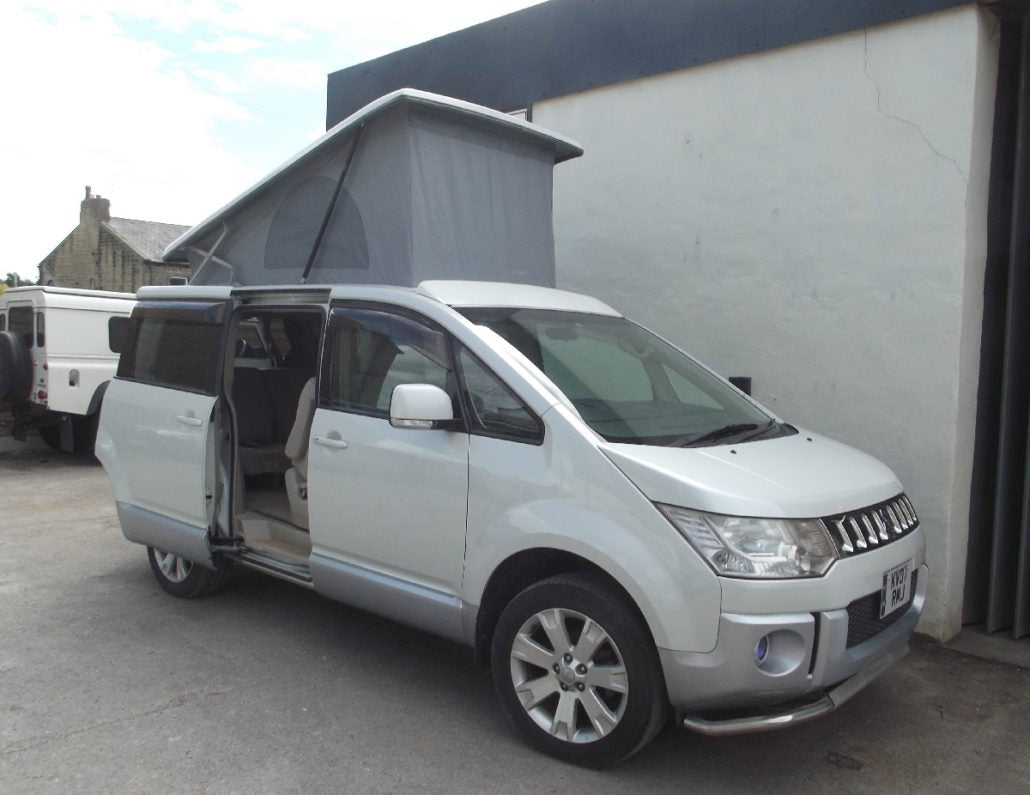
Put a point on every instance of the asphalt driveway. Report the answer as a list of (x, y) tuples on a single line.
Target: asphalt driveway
[(107, 683)]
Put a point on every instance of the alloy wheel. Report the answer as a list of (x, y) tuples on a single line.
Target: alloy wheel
[(172, 566), (569, 675)]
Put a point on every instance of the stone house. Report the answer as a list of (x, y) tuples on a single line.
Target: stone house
[(106, 253)]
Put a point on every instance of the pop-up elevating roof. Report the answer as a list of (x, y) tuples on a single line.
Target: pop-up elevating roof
[(413, 186)]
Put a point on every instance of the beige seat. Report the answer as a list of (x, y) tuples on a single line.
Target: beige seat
[(297, 451)]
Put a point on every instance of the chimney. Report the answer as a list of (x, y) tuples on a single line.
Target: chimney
[(92, 212)]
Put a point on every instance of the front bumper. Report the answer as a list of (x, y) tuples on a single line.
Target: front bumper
[(808, 671)]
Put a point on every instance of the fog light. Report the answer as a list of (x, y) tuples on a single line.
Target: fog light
[(761, 650)]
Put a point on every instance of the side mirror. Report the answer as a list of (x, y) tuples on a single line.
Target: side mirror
[(419, 406), (117, 331)]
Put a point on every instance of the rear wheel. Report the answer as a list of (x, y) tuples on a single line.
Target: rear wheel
[(83, 432), (51, 434), (576, 671), (186, 579)]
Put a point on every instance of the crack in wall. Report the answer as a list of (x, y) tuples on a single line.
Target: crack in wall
[(892, 117)]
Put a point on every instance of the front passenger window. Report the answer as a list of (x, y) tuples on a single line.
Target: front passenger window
[(371, 351), (495, 410)]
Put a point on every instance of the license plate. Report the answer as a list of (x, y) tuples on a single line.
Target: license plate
[(897, 588)]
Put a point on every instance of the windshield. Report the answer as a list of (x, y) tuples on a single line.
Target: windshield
[(626, 383)]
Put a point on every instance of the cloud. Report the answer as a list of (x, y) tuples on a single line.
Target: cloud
[(170, 108), (286, 72), (233, 45), (118, 114), (218, 81)]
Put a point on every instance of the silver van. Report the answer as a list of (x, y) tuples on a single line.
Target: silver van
[(619, 533)]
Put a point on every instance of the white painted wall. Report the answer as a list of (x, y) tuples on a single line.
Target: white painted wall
[(813, 217)]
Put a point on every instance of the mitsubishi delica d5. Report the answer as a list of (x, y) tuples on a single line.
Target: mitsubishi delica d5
[(620, 534)]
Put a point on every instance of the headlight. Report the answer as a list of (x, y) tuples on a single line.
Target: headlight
[(739, 546)]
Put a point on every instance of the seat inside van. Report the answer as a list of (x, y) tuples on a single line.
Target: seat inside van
[(275, 354)]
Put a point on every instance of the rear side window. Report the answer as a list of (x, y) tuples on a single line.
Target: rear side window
[(22, 323), (175, 344)]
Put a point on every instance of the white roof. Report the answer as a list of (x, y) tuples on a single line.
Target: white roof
[(201, 292), (454, 293), (70, 298), (522, 296)]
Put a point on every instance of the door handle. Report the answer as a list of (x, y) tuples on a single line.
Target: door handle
[(328, 441), (194, 422)]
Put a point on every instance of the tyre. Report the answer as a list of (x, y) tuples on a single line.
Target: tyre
[(184, 579), (84, 432), (577, 672), (15, 369), (51, 434)]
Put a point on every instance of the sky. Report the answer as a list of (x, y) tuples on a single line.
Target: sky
[(170, 108)]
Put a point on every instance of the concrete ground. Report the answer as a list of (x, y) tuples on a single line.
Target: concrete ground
[(109, 684)]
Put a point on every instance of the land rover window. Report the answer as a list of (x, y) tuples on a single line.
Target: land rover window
[(175, 344), (21, 323), (494, 410), (371, 351)]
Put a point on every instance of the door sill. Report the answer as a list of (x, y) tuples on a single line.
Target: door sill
[(299, 573)]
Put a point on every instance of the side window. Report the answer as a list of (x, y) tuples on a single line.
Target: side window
[(370, 351), (178, 347), (3, 322), (22, 323), (40, 331), (494, 409)]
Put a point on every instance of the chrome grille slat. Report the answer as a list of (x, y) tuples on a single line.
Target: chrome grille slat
[(845, 539), (856, 531), (909, 509), (867, 528), (881, 526), (870, 533), (898, 529)]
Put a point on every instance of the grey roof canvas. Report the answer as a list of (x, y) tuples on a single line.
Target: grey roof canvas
[(147, 238), (414, 186)]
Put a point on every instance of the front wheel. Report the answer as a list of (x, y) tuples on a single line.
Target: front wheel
[(576, 671), (185, 579)]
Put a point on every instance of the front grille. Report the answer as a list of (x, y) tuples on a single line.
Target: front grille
[(869, 528), (864, 620)]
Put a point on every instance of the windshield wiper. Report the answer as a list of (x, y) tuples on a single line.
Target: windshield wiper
[(764, 429), (718, 433)]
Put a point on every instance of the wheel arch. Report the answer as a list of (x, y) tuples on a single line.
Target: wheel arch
[(525, 568), (98, 398)]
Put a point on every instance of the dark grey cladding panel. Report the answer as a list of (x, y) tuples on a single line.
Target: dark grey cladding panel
[(566, 46)]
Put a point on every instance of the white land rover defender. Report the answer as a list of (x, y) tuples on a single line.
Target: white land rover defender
[(56, 360), (618, 532)]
